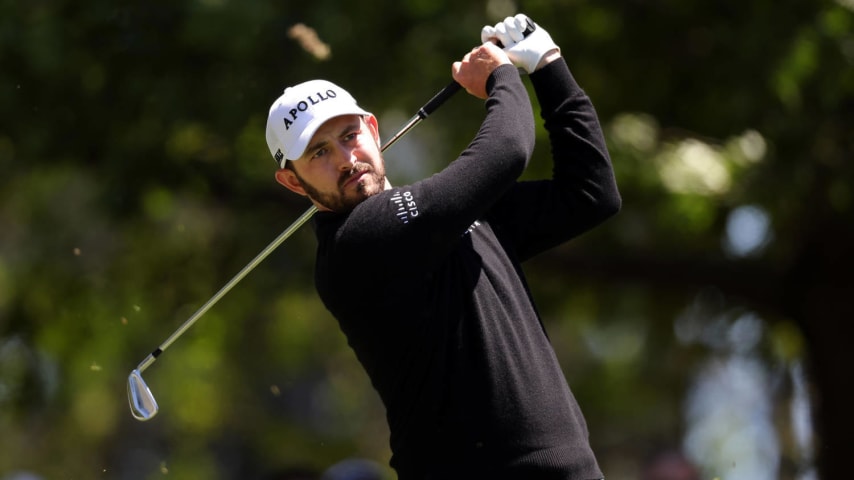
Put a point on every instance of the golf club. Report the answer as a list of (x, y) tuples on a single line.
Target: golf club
[(143, 406)]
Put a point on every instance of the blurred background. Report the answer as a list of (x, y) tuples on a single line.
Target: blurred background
[(705, 330)]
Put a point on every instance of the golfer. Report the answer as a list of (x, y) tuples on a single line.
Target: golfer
[(425, 279)]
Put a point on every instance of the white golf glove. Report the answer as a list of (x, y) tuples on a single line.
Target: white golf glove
[(524, 52)]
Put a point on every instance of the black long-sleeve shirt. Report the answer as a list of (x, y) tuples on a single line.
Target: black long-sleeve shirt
[(425, 282)]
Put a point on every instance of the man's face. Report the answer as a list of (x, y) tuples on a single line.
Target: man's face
[(341, 166)]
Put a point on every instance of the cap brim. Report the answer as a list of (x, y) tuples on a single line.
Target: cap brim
[(298, 149)]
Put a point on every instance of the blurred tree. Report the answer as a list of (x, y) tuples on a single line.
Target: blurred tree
[(136, 182)]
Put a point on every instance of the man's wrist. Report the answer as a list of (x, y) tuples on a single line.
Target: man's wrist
[(548, 58)]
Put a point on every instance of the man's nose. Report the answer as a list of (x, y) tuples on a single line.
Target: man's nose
[(345, 158)]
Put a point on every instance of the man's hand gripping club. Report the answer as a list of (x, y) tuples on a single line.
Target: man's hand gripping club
[(476, 66), (517, 40), (527, 44)]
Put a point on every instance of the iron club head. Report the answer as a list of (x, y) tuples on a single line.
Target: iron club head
[(142, 403)]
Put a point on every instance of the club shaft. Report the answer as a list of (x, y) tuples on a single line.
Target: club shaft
[(228, 286), (423, 112)]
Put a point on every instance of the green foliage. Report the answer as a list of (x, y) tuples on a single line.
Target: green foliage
[(136, 182)]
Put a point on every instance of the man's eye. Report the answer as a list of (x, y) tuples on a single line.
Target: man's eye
[(319, 153)]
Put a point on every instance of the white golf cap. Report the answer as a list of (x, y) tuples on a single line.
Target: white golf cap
[(300, 111)]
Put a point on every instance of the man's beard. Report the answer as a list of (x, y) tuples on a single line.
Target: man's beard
[(340, 201)]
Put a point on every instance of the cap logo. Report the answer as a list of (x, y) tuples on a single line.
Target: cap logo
[(279, 155), (304, 104)]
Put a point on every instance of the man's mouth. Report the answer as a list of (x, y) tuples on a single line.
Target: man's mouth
[(354, 177)]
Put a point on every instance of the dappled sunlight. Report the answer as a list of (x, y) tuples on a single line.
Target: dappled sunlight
[(693, 166), (748, 231), (621, 342), (734, 426), (729, 415), (693, 181), (749, 148), (637, 131), (686, 165)]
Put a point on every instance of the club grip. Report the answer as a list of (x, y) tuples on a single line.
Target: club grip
[(528, 30), (454, 87), (438, 99)]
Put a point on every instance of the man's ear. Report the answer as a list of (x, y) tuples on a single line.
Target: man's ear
[(288, 179), (371, 121)]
